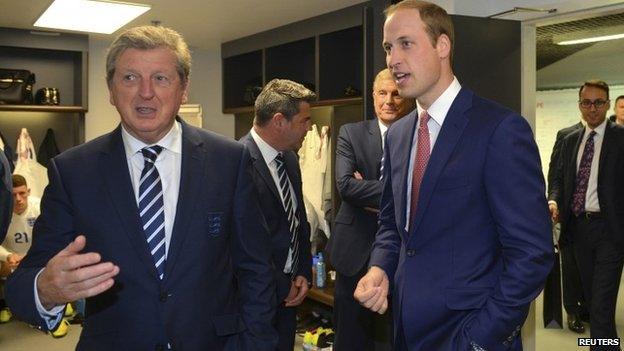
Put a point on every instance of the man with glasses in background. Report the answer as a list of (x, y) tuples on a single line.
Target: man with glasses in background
[(588, 194)]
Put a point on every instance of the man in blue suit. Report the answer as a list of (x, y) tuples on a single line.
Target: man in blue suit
[(156, 224), (281, 122), (464, 233)]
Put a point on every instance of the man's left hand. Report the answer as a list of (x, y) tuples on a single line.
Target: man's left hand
[(298, 290)]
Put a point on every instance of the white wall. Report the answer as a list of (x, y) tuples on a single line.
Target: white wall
[(102, 116), (205, 90)]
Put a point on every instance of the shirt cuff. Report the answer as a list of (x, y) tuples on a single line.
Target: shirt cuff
[(52, 317), (552, 202)]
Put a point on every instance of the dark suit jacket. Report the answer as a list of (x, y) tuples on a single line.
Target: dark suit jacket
[(48, 148), (358, 149), (554, 167), (217, 291), (6, 196), (276, 217), (610, 180), (479, 248)]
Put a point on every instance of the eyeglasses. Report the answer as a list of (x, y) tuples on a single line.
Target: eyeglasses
[(597, 103)]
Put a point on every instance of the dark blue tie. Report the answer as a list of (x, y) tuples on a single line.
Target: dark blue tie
[(152, 209), (289, 207), (381, 167)]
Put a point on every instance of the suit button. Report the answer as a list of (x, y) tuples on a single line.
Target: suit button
[(411, 252), (163, 296)]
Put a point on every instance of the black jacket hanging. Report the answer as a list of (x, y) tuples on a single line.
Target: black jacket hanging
[(48, 149), (6, 198), (8, 152)]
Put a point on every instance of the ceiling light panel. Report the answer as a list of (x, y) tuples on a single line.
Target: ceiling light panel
[(90, 16)]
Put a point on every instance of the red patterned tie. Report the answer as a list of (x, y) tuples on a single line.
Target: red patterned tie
[(423, 149)]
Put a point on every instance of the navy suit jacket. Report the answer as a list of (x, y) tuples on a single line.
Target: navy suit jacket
[(554, 167), (610, 176), (479, 248), (217, 292), (6, 196), (358, 148), (276, 218)]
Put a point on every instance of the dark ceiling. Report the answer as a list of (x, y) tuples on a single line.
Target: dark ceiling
[(548, 52)]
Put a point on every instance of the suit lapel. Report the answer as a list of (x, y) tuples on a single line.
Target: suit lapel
[(260, 165), (574, 157), (191, 178), (374, 146), (400, 151), (114, 164), (604, 150), (450, 133), (292, 167)]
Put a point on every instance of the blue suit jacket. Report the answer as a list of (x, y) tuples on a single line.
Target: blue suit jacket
[(217, 292), (479, 248), (276, 218), (610, 175)]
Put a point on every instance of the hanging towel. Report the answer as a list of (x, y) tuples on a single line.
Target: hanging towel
[(36, 175)]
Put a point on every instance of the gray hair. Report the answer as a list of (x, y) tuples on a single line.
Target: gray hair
[(281, 96), (150, 37)]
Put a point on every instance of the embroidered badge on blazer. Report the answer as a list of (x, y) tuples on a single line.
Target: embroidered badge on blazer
[(214, 222)]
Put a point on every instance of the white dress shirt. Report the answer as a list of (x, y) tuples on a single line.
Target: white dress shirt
[(437, 111), (168, 163), (382, 129), (269, 154), (591, 196)]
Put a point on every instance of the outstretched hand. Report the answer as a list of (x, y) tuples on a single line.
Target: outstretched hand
[(70, 275)]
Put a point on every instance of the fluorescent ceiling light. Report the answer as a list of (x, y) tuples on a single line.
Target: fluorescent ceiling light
[(592, 39), (90, 15)]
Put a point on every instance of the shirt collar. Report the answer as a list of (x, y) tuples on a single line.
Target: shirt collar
[(600, 130), (267, 151), (172, 141), (439, 109), (382, 127)]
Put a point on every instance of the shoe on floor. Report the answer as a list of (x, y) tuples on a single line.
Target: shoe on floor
[(78, 319), (69, 310), (575, 324), (61, 330), (5, 315)]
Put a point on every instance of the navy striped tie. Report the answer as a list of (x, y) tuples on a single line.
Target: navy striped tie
[(381, 168), (152, 209), (289, 208)]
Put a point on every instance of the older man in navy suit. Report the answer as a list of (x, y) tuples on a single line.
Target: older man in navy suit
[(358, 177), (156, 224), (464, 233)]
